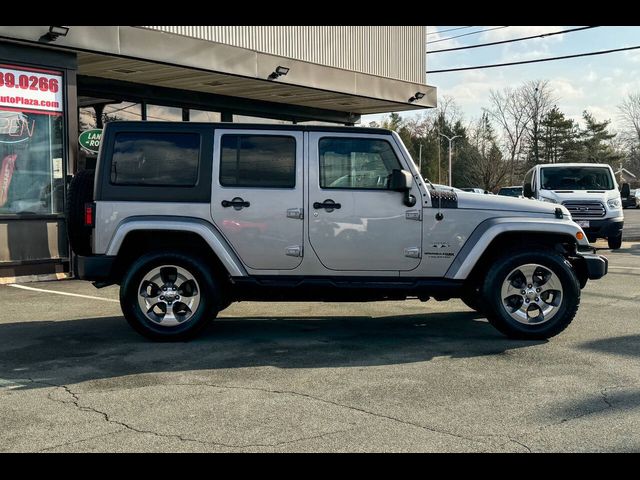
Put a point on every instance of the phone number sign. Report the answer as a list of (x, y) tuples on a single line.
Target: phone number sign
[(30, 90)]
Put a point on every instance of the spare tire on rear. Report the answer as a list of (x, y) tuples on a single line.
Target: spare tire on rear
[(80, 192)]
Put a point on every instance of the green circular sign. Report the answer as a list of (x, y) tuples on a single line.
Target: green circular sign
[(90, 140)]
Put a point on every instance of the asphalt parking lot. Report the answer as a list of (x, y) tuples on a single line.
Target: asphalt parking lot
[(388, 376), (631, 228)]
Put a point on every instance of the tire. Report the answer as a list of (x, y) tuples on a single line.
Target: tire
[(615, 242), (472, 298), (80, 192), (171, 269), (551, 275)]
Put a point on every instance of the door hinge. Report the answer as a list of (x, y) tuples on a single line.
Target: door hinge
[(295, 213), (413, 214), (293, 251), (412, 252)]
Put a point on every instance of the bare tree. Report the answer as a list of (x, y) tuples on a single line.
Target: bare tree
[(630, 115), (487, 168), (538, 100), (509, 109)]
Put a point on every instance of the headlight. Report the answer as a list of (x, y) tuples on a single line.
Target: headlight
[(613, 203), (550, 200)]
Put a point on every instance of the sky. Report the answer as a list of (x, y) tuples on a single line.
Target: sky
[(596, 83)]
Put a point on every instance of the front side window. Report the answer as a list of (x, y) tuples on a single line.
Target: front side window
[(261, 161), (155, 158), (31, 141), (356, 163)]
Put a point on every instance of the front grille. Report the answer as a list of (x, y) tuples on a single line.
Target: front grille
[(585, 209)]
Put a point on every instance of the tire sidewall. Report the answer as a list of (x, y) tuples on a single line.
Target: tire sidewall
[(615, 243), (501, 319), (207, 308)]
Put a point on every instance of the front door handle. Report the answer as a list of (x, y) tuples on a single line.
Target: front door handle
[(329, 205), (237, 203)]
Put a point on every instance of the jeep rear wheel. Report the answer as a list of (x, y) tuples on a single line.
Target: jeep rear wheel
[(169, 296), (531, 295)]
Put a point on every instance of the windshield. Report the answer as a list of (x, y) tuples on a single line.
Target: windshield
[(576, 178), (510, 191)]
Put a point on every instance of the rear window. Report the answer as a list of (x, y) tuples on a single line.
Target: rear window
[(155, 158)]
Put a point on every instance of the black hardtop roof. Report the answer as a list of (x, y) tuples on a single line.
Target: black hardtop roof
[(254, 126)]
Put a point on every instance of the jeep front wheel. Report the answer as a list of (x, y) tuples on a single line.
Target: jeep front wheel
[(531, 295), (169, 296)]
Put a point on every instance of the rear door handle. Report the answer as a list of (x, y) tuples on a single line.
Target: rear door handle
[(237, 203), (329, 205)]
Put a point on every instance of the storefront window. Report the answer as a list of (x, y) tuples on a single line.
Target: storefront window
[(203, 116), (87, 118), (161, 113), (122, 111), (248, 119), (31, 141)]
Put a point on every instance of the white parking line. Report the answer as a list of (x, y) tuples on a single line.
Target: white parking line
[(24, 287), (624, 268)]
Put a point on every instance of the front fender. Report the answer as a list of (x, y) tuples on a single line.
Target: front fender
[(490, 229)]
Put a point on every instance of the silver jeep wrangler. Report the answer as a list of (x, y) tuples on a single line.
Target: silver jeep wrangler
[(190, 217)]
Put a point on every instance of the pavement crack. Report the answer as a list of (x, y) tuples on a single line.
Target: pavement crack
[(75, 401), (605, 399), (508, 439), (341, 405), (73, 442), (520, 443)]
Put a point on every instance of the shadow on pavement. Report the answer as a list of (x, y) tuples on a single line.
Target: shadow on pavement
[(629, 248), (607, 402), (628, 345), (99, 348)]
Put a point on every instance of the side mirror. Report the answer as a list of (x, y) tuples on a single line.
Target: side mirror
[(625, 191), (400, 181), (527, 191)]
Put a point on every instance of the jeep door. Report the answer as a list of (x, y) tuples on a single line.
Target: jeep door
[(355, 222), (257, 197)]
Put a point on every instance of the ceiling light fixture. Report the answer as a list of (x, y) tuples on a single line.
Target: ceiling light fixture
[(55, 32), (416, 96), (279, 72)]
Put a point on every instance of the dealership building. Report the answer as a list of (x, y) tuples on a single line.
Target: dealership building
[(57, 82)]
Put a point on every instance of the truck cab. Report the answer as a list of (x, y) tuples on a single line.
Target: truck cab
[(588, 190)]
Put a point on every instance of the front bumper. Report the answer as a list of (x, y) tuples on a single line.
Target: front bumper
[(595, 266), (94, 267), (604, 228)]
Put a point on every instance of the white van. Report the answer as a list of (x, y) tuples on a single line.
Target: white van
[(588, 190)]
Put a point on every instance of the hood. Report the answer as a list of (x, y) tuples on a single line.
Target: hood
[(580, 195), (477, 201)]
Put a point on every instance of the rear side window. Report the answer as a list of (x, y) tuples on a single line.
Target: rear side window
[(262, 161), (155, 158)]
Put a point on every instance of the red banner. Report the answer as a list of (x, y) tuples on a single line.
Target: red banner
[(6, 172)]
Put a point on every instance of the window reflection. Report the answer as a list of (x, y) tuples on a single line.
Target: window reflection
[(31, 163)]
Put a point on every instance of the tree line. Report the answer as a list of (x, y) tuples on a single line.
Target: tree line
[(520, 128)]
